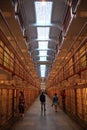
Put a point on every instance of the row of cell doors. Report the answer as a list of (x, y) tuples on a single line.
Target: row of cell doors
[(76, 102)]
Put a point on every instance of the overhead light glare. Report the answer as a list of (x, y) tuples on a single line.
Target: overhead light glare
[(43, 2)]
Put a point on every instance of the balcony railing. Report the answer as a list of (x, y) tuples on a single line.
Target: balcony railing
[(76, 61), (10, 53)]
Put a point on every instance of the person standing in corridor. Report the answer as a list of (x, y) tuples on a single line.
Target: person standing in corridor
[(43, 102), (55, 101), (21, 104)]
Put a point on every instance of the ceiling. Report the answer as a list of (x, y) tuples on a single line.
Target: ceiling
[(67, 18), (26, 11)]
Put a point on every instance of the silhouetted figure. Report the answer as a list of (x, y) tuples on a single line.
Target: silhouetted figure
[(21, 104), (43, 101)]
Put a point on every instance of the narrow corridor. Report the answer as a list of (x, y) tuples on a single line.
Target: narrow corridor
[(34, 120)]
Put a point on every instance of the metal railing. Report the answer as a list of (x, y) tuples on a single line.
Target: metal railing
[(77, 61), (10, 53)]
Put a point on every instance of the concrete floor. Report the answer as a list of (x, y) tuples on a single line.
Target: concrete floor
[(51, 120)]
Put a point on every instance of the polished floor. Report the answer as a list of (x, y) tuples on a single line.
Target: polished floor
[(50, 120)]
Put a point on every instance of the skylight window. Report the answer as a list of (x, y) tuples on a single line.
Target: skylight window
[(43, 13), (43, 58), (43, 45), (43, 69), (43, 18), (43, 33), (43, 53)]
